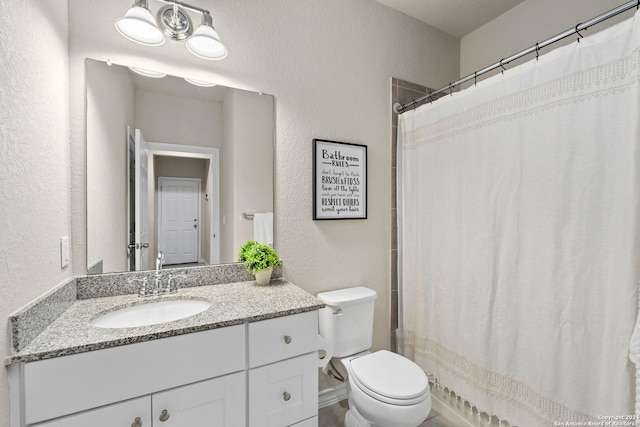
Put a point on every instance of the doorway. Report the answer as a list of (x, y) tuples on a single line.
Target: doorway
[(179, 219), (180, 164)]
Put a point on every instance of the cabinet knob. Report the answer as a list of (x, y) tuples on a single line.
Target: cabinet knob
[(286, 396), (287, 339), (137, 422), (164, 415)]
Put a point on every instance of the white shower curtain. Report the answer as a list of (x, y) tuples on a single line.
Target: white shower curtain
[(519, 210)]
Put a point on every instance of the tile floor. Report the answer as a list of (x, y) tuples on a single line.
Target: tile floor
[(333, 416)]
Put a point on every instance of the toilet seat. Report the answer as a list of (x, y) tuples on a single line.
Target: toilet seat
[(389, 378)]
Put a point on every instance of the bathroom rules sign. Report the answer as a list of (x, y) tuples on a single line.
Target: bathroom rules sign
[(339, 180)]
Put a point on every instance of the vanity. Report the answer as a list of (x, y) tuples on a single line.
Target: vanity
[(250, 359)]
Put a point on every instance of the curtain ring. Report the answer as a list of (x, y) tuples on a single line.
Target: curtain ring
[(538, 50), (430, 95), (578, 32), (502, 66), (451, 89), (475, 76)]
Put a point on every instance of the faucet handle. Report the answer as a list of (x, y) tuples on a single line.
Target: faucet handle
[(143, 287), (172, 282)]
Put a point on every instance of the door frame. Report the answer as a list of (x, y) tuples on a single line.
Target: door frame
[(213, 183), (162, 180)]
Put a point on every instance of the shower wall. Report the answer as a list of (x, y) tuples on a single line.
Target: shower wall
[(401, 92)]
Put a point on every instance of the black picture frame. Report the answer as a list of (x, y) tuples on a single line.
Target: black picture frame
[(339, 180)]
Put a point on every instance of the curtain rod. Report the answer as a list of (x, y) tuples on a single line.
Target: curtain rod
[(398, 108)]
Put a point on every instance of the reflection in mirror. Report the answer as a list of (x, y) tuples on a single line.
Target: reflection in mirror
[(177, 173)]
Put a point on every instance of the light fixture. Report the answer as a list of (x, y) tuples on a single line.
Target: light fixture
[(148, 73), (199, 82), (138, 25), (173, 22), (205, 42)]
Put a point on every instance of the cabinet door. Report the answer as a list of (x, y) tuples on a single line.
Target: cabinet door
[(218, 402), (284, 393), (122, 414)]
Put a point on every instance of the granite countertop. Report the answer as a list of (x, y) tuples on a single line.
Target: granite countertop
[(231, 304)]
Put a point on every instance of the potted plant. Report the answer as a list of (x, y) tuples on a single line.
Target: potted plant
[(259, 259)]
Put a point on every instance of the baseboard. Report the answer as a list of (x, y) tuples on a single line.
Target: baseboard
[(448, 412), (332, 395)]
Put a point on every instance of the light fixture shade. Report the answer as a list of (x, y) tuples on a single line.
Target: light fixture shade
[(139, 26), (148, 73), (205, 42), (200, 82)]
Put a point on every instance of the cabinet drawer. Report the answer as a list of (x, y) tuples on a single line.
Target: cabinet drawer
[(68, 384), (284, 393), (311, 422), (119, 414), (283, 337)]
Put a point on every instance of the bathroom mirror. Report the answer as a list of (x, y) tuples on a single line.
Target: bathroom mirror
[(174, 169)]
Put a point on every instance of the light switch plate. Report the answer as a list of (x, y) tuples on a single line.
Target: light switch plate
[(64, 251)]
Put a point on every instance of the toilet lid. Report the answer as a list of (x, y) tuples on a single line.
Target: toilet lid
[(390, 375)]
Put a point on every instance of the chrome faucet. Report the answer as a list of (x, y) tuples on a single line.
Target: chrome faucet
[(158, 281), (144, 290), (172, 285), (159, 262), (158, 288)]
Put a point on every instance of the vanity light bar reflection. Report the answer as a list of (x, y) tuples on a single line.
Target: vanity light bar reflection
[(159, 75), (139, 26)]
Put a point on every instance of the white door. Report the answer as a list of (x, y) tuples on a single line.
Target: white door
[(141, 202), (138, 233), (217, 402), (179, 210)]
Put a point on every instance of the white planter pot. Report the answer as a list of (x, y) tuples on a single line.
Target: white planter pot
[(263, 277)]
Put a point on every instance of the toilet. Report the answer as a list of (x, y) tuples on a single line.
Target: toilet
[(384, 389)]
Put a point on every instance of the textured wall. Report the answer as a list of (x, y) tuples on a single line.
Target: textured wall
[(527, 24), (34, 157), (329, 64)]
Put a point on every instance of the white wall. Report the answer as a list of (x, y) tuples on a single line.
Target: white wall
[(328, 63), (178, 120), (252, 121), (527, 24), (227, 219), (110, 109), (34, 157)]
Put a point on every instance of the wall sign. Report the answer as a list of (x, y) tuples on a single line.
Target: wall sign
[(339, 180)]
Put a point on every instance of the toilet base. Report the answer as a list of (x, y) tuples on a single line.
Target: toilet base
[(353, 419)]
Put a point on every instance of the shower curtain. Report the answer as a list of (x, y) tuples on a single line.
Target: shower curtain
[(518, 217)]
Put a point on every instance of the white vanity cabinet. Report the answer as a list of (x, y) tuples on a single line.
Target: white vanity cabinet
[(168, 369), (283, 371), (249, 375)]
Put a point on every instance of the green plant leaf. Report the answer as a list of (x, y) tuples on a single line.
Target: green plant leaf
[(258, 256)]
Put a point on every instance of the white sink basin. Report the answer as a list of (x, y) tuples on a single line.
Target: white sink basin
[(150, 313)]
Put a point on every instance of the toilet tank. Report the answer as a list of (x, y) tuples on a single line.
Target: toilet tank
[(347, 320)]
